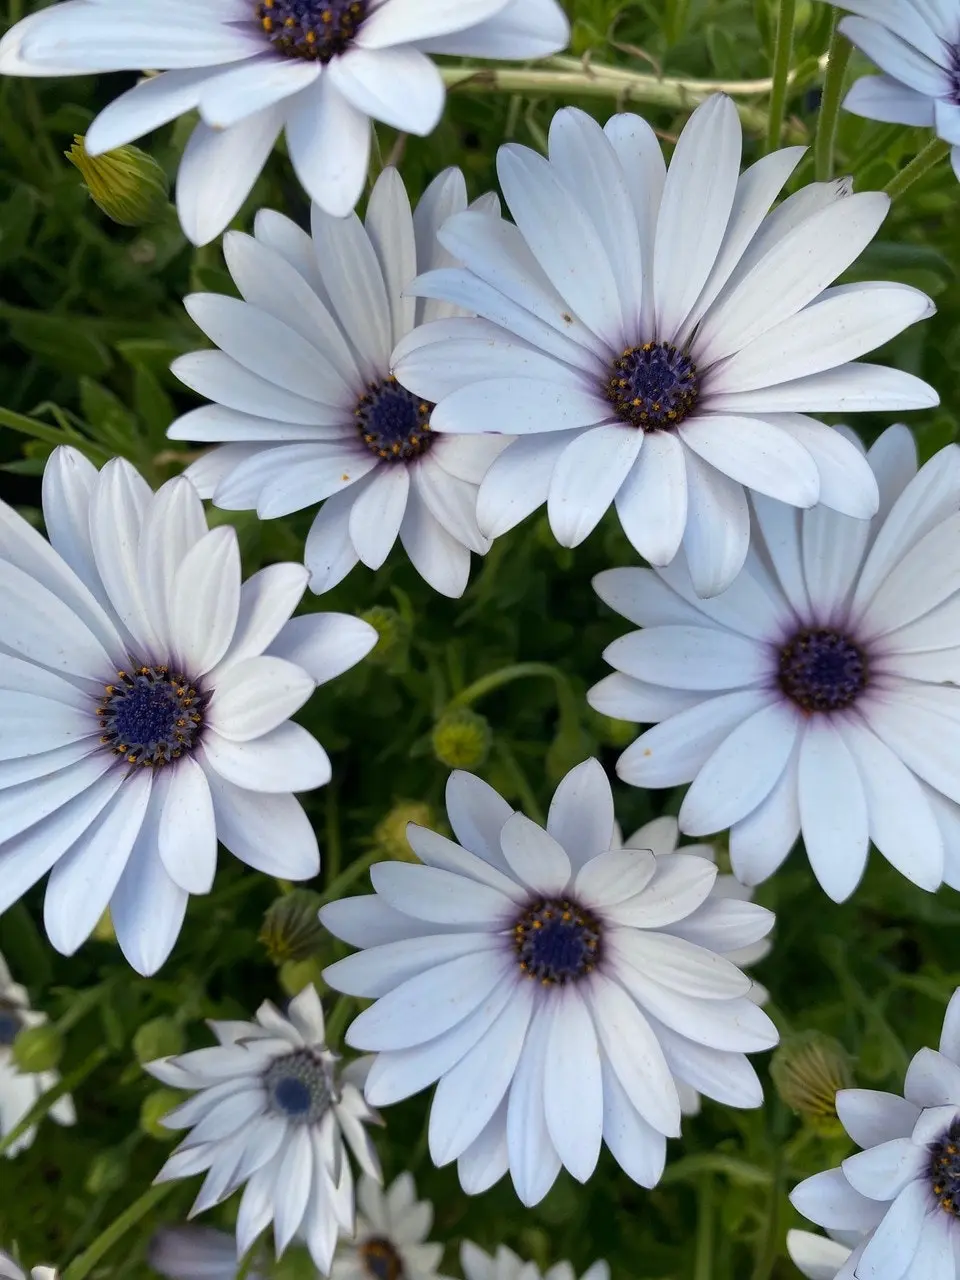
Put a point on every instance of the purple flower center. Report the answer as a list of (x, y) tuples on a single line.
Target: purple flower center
[(151, 716), (822, 670), (380, 1259), (314, 29), (654, 386), (953, 71), (10, 1023), (299, 1087), (945, 1170), (393, 423), (556, 941)]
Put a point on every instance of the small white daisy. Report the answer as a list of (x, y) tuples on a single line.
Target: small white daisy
[(390, 1242), (656, 338), (916, 44), (272, 1111), (816, 1256), (306, 396), (808, 698), (197, 1253), (10, 1271), (320, 69), (903, 1188), (145, 696), (546, 982), (19, 1090), (505, 1265)]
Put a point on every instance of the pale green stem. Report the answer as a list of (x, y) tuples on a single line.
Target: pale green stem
[(931, 155), (782, 53), (838, 55), (703, 1266), (82, 1266), (506, 675)]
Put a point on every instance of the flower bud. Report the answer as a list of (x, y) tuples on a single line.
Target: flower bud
[(37, 1048), (158, 1038), (127, 184), (294, 975), (394, 637), (291, 929), (808, 1069), (108, 1172), (461, 738), (154, 1107), (390, 833)]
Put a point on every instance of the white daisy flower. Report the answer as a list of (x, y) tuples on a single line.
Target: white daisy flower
[(9, 1270), (903, 1188), (390, 1242), (319, 69), (505, 1265), (145, 696), (818, 1257), (916, 44), (554, 986), (656, 338), (305, 392), (272, 1111), (19, 1090), (808, 699), (197, 1253)]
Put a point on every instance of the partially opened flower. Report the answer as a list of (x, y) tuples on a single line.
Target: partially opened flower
[(902, 1190), (145, 696), (819, 1257), (505, 1265), (305, 394), (809, 699), (390, 1241), (271, 1113), (318, 69), (916, 44), (657, 338), (554, 986)]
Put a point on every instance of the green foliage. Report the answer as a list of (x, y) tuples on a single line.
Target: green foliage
[(90, 317)]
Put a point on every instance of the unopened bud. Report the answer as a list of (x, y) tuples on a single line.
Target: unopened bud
[(394, 637), (108, 1172), (158, 1038), (808, 1069), (154, 1107), (291, 930), (127, 184), (37, 1048), (461, 739), (390, 833)]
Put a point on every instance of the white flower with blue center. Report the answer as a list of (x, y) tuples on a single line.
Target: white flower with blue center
[(820, 1257), (818, 696), (554, 986), (9, 1270), (305, 395), (271, 1113), (916, 45), (506, 1265), (657, 339), (145, 702), (902, 1190), (318, 69)]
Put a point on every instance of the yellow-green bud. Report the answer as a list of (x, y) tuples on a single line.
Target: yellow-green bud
[(37, 1048), (108, 1172), (461, 739), (158, 1038), (297, 974), (154, 1107), (291, 930), (394, 636), (127, 184), (808, 1069), (390, 833)]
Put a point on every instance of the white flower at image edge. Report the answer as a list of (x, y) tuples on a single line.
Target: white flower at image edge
[(272, 1111), (816, 1256), (145, 696), (809, 698), (319, 69), (902, 1190), (657, 339), (197, 1253), (19, 1090), (505, 1265), (916, 44), (306, 402), (10, 1271), (555, 988)]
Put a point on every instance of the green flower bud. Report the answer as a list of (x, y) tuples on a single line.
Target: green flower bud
[(37, 1048), (108, 1172), (127, 184), (158, 1038), (394, 631), (154, 1107), (808, 1069), (461, 739), (291, 930), (390, 833)]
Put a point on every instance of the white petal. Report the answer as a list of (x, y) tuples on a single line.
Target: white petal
[(441, 896), (690, 657), (399, 86), (268, 832), (477, 814), (652, 501), (329, 142), (256, 695), (218, 169), (573, 1090), (717, 534), (586, 478), (205, 600), (581, 817), (284, 759), (325, 645), (829, 1200), (871, 1117), (534, 1163), (187, 833), (833, 810), (535, 857), (437, 556)]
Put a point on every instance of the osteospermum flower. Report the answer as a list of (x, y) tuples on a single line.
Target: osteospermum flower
[(9, 1270), (319, 69), (197, 1253), (816, 1256), (656, 339), (19, 1090), (545, 981), (903, 1188), (145, 696), (916, 44), (272, 1111), (505, 1265), (807, 699), (305, 392), (390, 1241)]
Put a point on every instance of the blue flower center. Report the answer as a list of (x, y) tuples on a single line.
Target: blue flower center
[(953, 71), (556, 941), (10, 1023), (151, 716), (314, 29), (822, 670), (945, 1170), (380, 1259), (299, 1087), (393, 423), (654, 386)]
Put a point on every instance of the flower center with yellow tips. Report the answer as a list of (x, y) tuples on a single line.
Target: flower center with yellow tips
[(653, 386), (945, 1170), (556, 941), (151, 716), (314, 29), (393, 423)]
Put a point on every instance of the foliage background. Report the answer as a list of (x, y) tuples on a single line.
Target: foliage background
[(90, 317)]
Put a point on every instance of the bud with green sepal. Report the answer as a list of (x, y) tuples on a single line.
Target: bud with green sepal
[(126, 184)]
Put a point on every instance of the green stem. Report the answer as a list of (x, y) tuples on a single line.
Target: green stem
[(703, 1266), (931, 155), (496, 679), (82, 1266), (783, 51), (47, 1100), (333, 853), (767, 1257), (838, 55), (350, 873), (337, 1022), (531, 805)]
